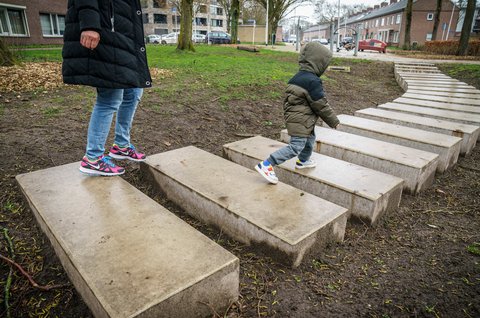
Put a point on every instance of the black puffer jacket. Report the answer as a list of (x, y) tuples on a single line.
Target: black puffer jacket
[(119, 60)]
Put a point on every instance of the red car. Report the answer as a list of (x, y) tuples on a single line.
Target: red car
[(372, 44)]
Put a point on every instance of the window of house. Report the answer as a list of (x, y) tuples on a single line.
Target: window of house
[(219, 11), (145, 18), (217, 23), (399, 18), (392, 20), (160, 18), (13, 21), (383, 22), (161, 31), (429, 16), (202, 9), (395, 36), (160, 4), (175, 19), (376, 23), (52, 24), (201, 21), (429, 37)]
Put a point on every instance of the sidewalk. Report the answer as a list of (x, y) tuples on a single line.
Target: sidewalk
[(370, 55)]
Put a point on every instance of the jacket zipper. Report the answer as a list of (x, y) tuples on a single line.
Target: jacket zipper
[(112, 16)]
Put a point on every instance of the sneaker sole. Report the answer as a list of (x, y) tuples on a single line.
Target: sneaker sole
[(305, 167), (272, 181), (91, 172), (122, 157)]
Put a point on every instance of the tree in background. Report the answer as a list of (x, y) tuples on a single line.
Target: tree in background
[(6, 55), (235, 14), (408, 24), (467, 27), (276, 11), (185, 36), (227, 6), (436, 21), (251, 10)]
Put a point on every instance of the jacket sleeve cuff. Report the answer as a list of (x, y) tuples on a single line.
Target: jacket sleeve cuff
[(89, 20)]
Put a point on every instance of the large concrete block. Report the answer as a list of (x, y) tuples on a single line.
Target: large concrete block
[(284, 222), (461, 117), (450, 84), (468, 133), (415, 167), (443, 99), (125, 254), (367, 193), (444, 93), (438, 105), (447, 147), (465, 90)]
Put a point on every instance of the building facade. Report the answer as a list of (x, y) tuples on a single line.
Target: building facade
[(386, 22), (25, 22), (162, 17)]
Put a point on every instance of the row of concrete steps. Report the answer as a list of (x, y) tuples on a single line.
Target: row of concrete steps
[(129, 257), (468, 133)]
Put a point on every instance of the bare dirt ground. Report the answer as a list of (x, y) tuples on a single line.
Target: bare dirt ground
[(420, 261)]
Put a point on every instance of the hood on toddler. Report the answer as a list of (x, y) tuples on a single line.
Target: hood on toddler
[(314, 57)]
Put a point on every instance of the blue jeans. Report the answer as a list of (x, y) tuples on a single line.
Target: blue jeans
[(109, 100), (298, 146)]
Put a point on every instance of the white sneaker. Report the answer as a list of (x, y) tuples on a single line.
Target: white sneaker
[(305, 164), (267, 172)]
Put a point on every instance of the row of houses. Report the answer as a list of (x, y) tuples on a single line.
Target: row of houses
[(24, 22), (386, 22)]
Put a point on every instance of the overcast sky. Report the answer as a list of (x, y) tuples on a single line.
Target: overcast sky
[(308, 10)]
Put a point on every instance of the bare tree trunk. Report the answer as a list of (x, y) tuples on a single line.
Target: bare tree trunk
[(6, 56), (185, 37), (436, 21), (235, 12), (408, 24), (467, 28)]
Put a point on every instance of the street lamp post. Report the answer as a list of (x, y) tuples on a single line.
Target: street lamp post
[(266, 27), (338, 28)]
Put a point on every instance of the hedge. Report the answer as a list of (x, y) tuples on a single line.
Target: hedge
[(450, 47)]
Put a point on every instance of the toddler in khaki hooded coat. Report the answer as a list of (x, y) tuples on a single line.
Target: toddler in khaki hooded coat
[(304, 103)]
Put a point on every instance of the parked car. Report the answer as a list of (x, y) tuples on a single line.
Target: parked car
[(198, 38), (218, 37), (292, 39), (154, 38), (346, 40), (321, 41), (372, 44), (171, 38)]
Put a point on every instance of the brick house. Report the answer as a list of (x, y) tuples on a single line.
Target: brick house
[(386, 22), (25, 22)]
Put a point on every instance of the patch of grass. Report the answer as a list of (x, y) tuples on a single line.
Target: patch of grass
[(51, 111), (474, 249), (469, 73)]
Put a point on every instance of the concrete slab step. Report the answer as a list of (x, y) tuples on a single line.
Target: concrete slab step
[(468, 133), (414, 64), (367, 193), (447, 147), (439, 79), (465, 90), (415, 167), (438, 105), (447, 94), (466, 118), (443, 99), (284, 222), (126, 255), (423, 75), (450, 84)]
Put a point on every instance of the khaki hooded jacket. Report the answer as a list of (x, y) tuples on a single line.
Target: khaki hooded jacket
[(305, 100)]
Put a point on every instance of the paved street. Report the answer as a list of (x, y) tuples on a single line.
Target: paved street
[(371, 55)]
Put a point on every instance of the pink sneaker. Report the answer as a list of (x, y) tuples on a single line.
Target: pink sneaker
[(103, 166), (126, 153)]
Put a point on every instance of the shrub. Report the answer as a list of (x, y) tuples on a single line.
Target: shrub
[(450, 47)]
